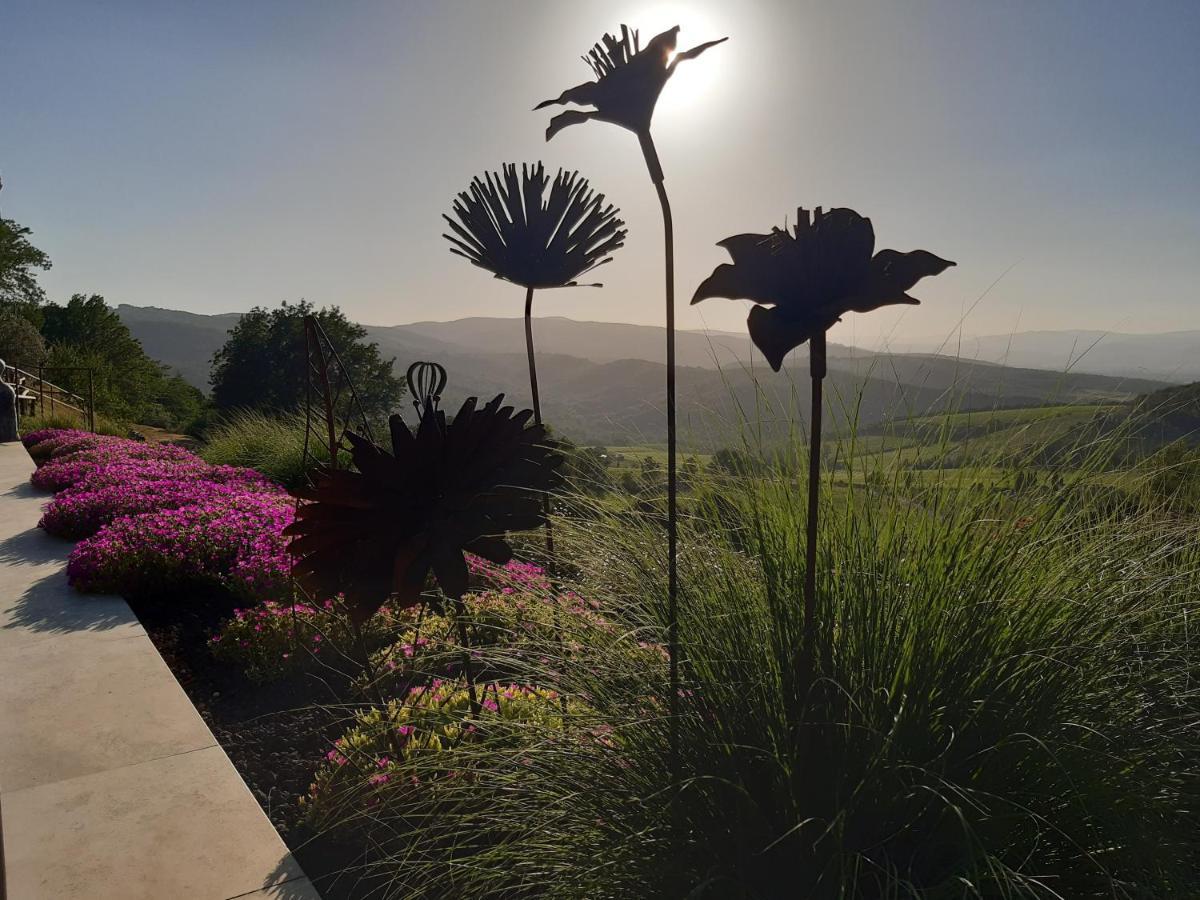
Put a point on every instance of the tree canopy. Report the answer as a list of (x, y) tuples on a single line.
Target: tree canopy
[(19, 263), (128, 384), (263, 366), (20, 343)]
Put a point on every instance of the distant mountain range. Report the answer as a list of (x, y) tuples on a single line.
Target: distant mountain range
[(1172, 356), (603, 382)]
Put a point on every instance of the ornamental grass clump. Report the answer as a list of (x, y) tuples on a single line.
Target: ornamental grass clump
[(234, 542), (1008, 710)]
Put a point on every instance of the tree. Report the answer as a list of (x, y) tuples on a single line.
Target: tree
[(734, 461), (20, 343), (586, 468), (263, 363), (19, 260), (87, 334)]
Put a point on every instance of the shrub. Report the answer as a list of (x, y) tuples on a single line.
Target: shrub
[(230, 541)]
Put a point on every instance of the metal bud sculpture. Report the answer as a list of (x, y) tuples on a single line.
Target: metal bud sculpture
[(628, 82), (805, 281), (449, 488)]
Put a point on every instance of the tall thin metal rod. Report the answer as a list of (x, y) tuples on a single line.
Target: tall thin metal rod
[(533, 382), (656, 175), (537, 414), (817, 372)]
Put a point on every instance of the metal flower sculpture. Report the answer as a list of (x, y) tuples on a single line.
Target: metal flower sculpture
[(514, 229), (628, 82), (812, 277), (447, 489), (806, 281)]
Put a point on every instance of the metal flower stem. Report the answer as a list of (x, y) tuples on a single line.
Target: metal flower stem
[(656, 175), (817, 372), (537, 418)]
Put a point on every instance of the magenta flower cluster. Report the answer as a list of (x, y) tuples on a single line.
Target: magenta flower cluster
[(143, 486), (233, 540), (157, 518)]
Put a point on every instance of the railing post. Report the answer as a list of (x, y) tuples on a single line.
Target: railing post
[(41, 390), (91, 401)]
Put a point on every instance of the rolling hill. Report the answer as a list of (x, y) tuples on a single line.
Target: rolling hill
[(603, 382)]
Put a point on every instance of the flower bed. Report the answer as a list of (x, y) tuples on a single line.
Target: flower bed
[(130, 488), (71, 464), (157, 518), (232, 541)]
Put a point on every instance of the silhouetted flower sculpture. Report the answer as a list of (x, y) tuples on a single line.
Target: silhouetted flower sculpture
[(812, 277), (447, 489), (628, 82), (512, 228), (808, 280)]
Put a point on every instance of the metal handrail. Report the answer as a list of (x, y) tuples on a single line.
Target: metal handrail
[(85, 407)]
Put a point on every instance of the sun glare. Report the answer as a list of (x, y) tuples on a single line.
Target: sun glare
[(693, 82)]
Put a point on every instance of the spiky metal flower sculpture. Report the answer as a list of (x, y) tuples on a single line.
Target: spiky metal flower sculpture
[(806, 281), (513, 228), (445, 490), (629, 80)]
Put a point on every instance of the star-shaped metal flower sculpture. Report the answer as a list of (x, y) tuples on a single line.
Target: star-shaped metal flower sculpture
[(514, 228), (805, 281), (450, 488), (808, 279), (629, 80)]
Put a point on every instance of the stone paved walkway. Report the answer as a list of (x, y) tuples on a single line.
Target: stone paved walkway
[(111, 785)]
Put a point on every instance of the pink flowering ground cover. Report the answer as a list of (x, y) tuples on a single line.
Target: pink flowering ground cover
[(233, 541), (155, 518), (82, 510), (62, 470)]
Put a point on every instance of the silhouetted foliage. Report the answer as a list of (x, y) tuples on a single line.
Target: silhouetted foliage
[(449, 488), (263, 366)]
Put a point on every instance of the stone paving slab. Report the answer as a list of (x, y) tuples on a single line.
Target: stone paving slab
[(111, 785), (183, 826), (93, 705)]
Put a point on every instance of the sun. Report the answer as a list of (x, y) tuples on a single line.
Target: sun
[(693, 83)]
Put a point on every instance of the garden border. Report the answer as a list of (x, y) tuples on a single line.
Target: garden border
[(111, 784)]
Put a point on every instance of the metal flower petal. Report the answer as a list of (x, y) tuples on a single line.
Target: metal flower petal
[(447, 489), (811, 277), (512, 227), (628, 81)]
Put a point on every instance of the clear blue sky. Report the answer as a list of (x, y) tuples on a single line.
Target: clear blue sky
[(211, 156)]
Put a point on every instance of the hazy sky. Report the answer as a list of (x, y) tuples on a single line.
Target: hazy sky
[(211, 156)]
